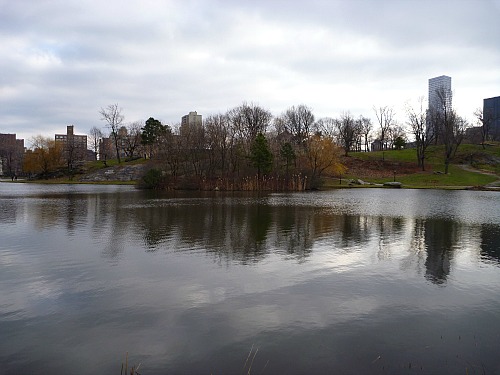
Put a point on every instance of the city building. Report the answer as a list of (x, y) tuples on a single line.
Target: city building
[(191, 119), (491, 114), (74, 146), (11, 155), (437, 86), (189, 122)]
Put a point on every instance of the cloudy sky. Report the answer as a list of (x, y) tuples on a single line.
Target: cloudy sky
[(61, 61)]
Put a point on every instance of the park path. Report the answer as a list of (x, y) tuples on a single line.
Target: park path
[(492, 185)]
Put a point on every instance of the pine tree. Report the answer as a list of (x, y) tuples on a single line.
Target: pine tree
[(260, 155)]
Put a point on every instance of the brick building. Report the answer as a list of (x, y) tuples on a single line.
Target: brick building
[(11, 155), (74, 146)]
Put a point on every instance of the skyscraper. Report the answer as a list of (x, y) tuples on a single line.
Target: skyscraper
[(437, 86), (491, 115)]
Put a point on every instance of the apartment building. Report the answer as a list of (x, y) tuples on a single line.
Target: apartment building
[(11, 155)]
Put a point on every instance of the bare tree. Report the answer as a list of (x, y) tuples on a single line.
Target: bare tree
[(95, 136), (396, 136), (113, 117), (248, 120), (385, 118), (326, 126), (173, 152), (132, 141), (299, 122), (417, 120), (365, 126), (348, 131), (451, 126), (484, 120), (192, 138), (217, 138)]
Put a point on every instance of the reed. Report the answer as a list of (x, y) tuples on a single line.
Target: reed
[(134, 370)]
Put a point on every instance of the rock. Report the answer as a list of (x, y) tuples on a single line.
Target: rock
[(394, 184), (117, 173), (358, 182)]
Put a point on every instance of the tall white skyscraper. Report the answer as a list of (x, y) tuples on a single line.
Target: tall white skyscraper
[(443, 84)]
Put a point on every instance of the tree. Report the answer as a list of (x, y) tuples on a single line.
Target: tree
[(451, 126), (484, 120), (326, 127), (366, 126), (299, 121), (397, 137), (132, 141), (261, 155), (399, 143), (288, 154), (192, 137), (95, 136), (324, 157), (152, 133), (385, 118), (217, 139), (113, 118), (44, 156), (249, 120), (172, 152), (348, 131), (417, 120)]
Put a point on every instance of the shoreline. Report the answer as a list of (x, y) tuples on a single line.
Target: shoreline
[(489, 187)]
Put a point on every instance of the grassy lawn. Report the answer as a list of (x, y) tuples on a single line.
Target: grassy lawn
[(408, 155), (456, 177), (484, 159)]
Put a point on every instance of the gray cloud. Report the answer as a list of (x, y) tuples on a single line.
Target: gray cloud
[(63, 60)]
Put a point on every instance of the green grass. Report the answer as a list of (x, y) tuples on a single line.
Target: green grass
[(488, 167), (434, 154), (491, 148), (457, 176), (407, 155)]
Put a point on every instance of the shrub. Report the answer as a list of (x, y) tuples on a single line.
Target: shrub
[(152, 179)]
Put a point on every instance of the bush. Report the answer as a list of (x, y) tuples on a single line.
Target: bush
[(152, 179)]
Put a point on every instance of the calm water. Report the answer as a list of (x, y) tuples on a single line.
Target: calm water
[(355, 281)]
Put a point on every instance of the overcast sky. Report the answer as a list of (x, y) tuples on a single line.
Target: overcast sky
[(61, 61)]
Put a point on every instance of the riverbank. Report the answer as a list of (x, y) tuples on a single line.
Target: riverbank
[(474, 168)]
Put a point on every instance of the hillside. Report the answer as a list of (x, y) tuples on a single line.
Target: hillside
[(472, 166)]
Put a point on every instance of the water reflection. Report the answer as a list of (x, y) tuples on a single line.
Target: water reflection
[(490, 242), (321, 282), (440, 239), (247, 229)]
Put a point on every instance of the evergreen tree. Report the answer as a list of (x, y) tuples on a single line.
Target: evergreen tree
[(288, 154), (260, 155)]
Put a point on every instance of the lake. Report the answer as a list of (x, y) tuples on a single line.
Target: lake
[(357, 281)]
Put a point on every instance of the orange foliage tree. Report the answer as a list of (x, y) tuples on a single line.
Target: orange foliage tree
[(323, 156), (44, 157)]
